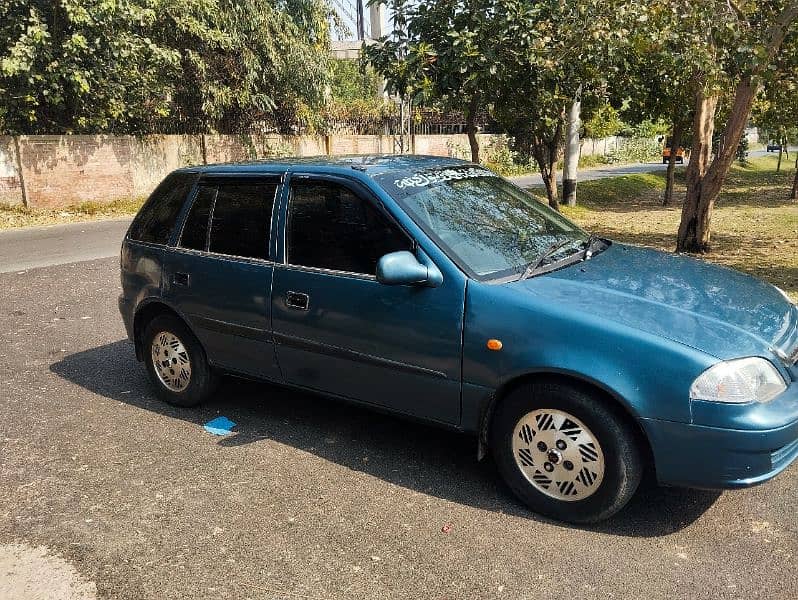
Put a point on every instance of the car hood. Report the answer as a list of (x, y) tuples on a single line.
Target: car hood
[(714, 309)]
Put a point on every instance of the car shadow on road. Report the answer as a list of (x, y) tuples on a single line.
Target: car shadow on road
[(416, 456)]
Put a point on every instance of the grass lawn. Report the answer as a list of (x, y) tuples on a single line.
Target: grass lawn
[(19, 216), (754, 225)]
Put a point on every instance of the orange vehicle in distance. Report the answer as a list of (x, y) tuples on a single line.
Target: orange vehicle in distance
[(666, 153)]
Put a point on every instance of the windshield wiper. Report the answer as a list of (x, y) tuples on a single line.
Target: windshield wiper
[(533, 266), (588, 247)]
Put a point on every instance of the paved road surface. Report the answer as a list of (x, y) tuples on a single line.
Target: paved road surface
[(32, 247), (595, 173), (310, 498), (104, 487)]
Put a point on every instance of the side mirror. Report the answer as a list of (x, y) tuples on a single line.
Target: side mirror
[(402, 268)]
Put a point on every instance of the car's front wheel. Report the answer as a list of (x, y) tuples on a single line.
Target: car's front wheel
[(565, 452), (176, 362)]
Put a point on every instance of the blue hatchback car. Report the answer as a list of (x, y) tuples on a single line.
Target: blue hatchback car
[(433, 288)]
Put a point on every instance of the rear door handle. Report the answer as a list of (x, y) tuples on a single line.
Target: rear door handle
[(180, 279), (297, 300)]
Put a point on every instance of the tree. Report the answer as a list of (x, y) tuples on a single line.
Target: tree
[(80, 65), (655, 83), (549, 51), (83, 66), (744, 40), (440, 51), (776, 109)]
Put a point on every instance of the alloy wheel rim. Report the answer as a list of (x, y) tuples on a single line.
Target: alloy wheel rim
[(558, 454), (171, 361)]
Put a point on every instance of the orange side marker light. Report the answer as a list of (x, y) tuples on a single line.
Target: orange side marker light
[(494, 344)]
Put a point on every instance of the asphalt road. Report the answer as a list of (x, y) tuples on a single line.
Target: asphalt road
[(310, 498), (595, 173), (32, 247)]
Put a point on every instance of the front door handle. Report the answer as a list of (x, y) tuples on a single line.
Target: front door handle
[(180, 279), (297, 300)]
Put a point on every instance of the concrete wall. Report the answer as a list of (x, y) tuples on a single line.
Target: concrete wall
[(58, 171)]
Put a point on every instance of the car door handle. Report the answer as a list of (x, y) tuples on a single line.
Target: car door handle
[(297, 300), (180, 279)]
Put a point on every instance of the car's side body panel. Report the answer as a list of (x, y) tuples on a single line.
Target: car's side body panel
[(397, 347), (226, 302)]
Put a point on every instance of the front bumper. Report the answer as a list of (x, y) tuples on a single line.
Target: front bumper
[(700, 456)]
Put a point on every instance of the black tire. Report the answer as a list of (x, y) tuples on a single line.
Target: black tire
[(616, 437), (664, 161), (202, 381)]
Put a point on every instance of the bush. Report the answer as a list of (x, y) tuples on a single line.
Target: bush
[(631, 150)]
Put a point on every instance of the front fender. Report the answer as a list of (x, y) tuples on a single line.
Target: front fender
[(648, 375)]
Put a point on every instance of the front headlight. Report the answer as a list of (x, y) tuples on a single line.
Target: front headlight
[(739, 381)]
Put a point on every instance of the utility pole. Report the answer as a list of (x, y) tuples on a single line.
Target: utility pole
[(377, 17), (361, 21), (572, 150)]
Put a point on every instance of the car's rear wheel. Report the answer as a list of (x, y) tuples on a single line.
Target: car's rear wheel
[(565, 452), (176, 362)]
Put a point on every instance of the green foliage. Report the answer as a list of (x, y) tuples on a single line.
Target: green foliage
[(632, 150), (74, 66), (604, 122), (742, 151), (499, 157), (352, 81), (646, 129)]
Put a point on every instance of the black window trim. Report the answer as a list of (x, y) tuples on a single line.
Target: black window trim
[(278, 177), (360, 190)]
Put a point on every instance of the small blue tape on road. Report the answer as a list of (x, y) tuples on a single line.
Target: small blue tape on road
[(219, 426)]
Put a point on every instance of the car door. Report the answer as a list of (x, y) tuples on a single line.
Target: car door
[(340, 331), (220, 274)]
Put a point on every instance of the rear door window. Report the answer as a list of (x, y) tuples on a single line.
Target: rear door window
[(156, 219), (231, 216), (195, 231)]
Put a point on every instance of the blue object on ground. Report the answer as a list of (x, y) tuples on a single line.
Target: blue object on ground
[(219, 426)]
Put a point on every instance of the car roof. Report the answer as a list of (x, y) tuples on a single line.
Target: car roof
[(371, 164)]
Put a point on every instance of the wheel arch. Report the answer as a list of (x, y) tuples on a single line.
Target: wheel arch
[(607, 395), (146, 312)]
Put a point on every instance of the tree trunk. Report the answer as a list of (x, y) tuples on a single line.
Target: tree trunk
[(547, 172), (694, 227), (471, 129), (781, 151), (794, 193), (546, 153), (569, 171), (704, 183), (670, 176)]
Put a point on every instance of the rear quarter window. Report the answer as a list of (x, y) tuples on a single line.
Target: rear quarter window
[(156, 219)]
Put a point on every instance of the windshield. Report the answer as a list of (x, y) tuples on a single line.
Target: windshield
[(488, 226)]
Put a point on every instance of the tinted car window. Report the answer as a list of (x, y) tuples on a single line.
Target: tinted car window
[(330, 227), (156, 219), (241, 218), (195, 231)]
